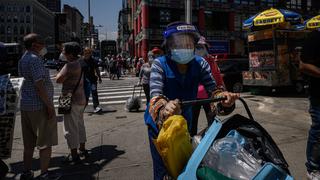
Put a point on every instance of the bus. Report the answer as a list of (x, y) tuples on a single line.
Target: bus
[(108, 47)]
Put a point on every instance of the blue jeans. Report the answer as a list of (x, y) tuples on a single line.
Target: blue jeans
[(91, 88), (313, 145), (159, 170)]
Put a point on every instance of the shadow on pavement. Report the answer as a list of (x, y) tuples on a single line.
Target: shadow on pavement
[(98, 158)]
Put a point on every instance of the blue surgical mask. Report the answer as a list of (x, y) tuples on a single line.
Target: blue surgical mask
[(182, 56)]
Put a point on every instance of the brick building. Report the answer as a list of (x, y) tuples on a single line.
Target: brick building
[(141, 22)]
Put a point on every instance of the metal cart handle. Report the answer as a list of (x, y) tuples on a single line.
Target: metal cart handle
[(217, 99)]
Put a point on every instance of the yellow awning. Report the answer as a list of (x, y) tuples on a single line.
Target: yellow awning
[(269, 17), (313, 22)]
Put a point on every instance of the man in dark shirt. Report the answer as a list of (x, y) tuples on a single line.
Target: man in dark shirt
[(310, 65), (92, 75)]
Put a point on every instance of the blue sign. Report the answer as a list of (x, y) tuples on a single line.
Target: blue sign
[(218, 47)]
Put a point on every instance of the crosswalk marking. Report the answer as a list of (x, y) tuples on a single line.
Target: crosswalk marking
[(110, 92)]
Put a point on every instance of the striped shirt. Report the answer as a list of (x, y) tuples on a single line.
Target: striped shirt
[(157, 78), (31, 67)]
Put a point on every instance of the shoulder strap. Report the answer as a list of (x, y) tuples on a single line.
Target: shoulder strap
[(75, 88)]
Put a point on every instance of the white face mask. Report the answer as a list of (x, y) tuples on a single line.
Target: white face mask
[(43, 52), (182, 56)]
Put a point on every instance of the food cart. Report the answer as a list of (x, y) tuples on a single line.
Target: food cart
[(273, 46), (274, 59)]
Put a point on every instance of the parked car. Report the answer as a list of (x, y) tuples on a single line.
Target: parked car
[(231, 71)]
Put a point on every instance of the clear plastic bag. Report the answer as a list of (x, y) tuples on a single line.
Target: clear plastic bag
[(229, 158)]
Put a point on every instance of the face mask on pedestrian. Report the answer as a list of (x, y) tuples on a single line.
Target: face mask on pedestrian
[(43, 52), (182, 56), (151, 59)]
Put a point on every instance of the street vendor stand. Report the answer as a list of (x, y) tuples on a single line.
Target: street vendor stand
[(273, 53)]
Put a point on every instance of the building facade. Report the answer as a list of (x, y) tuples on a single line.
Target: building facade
[(74, 23), (20, 17), (123, 29), (52, 5), (220, 21)]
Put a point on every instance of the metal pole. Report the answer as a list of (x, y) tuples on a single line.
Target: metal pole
[(188, 11), (90, 33)]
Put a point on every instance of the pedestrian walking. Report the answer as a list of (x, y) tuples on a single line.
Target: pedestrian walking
[(113, 68), (92, 76), (38, 118), (144, 76), (71, 77), (202, 50), (310, 65), (174, 77)]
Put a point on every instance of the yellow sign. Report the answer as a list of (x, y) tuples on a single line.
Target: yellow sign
[(314, 22), (269, 17)]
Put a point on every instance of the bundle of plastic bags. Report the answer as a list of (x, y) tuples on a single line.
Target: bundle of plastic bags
[(228, 157), (174, 144)]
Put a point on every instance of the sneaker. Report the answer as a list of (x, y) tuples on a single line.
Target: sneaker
[(27, 175), (72, 160), (84, 153), (315, 175), (97, 110)]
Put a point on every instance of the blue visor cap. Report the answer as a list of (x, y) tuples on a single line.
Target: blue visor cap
[(181, 28)]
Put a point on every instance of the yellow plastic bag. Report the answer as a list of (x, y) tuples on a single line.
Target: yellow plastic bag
[(174, 144)]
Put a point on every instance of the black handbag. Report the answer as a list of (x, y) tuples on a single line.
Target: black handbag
[(65, 101)]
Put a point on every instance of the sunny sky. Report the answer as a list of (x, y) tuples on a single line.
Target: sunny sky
[(104, 12)]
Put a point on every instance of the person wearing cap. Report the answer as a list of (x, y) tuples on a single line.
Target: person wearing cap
[(175, 77), (202, 50), (38, 117), (71, 77)]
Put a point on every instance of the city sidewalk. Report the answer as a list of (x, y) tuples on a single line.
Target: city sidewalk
[(117, 142), (120, 149)]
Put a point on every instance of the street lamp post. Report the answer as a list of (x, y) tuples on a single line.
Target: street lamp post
[(90, 25), (188, 11)]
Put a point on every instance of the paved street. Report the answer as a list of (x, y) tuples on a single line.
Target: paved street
[(118, 139)]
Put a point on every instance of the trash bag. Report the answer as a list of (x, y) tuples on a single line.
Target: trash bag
[(259, 142), (133, 103), (174, 144), (228, 157)]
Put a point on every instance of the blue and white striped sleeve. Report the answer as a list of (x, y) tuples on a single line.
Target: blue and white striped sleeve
[(156, 79), (207, 79)]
